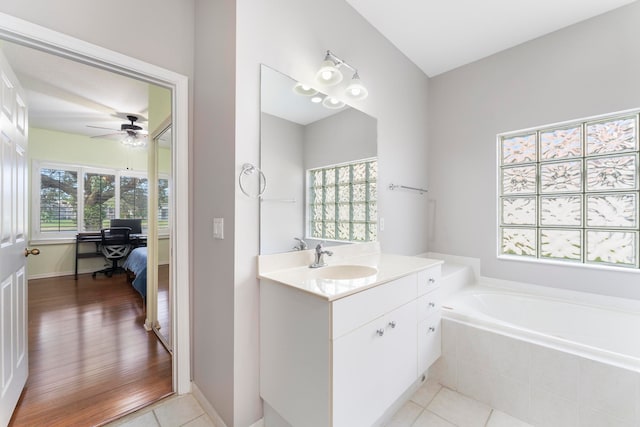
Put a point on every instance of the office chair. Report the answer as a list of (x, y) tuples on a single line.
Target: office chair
[(115, 245)]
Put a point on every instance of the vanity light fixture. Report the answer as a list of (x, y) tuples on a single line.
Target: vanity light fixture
[(303, 89), (329, 75), (316, 99), (332, 103), (356, 90)]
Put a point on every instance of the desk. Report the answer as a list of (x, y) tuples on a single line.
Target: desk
[(96, 239)]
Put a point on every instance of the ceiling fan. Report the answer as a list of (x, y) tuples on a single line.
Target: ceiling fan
[(129, 133)]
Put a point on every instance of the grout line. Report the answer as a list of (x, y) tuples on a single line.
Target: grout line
[(486, 423), (442, 418), (156, 417)]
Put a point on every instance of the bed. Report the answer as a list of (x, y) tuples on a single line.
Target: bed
[(136, 263)]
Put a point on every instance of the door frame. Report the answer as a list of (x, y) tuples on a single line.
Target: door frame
[(28, 34)]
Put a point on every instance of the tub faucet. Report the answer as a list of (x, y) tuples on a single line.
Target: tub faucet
[(319, 261), (301, 246)]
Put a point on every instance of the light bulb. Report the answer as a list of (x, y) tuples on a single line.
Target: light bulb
[(356, 90), (316, 99), (332, 103), (329, 74)]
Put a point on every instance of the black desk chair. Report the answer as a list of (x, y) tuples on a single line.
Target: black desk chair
[(115, 245)]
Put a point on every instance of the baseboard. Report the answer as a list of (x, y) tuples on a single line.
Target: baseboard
[(208, 408), (55, 274), (68, 273)]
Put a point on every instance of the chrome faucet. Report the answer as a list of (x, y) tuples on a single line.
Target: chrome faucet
[(301, 246), (319, 261)]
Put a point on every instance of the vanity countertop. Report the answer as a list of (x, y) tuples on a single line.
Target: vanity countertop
[(389, 267)]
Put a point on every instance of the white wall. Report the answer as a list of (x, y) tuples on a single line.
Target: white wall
[(292, 36), (282, 152), (587, 69)]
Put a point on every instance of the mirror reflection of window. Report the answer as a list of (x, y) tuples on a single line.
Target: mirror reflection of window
[(343, 202)]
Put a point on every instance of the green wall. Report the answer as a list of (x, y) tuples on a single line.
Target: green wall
[(57, 258)]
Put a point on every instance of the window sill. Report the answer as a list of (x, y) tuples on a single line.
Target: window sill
[(570, 264)]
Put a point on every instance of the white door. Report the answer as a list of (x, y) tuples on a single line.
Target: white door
[(13, 242)]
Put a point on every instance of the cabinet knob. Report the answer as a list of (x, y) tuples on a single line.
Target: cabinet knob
[(392, 324), (380, 332), (431, 329), (432, 280), (432, 304)]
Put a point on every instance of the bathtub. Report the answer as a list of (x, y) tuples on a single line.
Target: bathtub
[(545, 356), (604, 334)]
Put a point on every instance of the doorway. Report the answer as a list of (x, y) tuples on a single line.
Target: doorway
[(15, 30)]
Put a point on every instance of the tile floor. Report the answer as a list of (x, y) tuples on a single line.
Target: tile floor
[(175, 411), (432, 405)]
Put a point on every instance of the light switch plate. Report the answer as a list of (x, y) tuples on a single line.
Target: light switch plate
[(218, 228)]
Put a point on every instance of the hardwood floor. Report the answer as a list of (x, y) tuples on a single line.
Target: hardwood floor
[(90, 359)]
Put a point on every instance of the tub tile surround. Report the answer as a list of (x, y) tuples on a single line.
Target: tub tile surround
[(534, 382), (538, 385)]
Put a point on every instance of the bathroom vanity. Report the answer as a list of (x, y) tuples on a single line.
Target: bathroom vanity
[(339, 345)]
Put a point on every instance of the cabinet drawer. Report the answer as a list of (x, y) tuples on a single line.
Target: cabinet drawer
[(428, 280), (356, 310), (429, 304), (429, 342)]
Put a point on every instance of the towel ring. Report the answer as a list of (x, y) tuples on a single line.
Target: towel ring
[(249, 169)]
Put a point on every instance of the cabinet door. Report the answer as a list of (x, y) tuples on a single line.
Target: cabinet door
[(372, 366), (429, 342)]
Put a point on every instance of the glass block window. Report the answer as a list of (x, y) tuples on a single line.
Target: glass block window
[(570, 192), (342, 202)]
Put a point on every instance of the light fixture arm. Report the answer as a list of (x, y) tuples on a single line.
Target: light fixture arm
[(339, 62)]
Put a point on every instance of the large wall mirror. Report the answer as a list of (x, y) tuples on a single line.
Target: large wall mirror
[(321, 168)]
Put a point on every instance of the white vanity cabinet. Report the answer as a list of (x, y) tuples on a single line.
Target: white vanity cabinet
[(343, 363)]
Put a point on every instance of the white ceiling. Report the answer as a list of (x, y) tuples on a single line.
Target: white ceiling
[(440, 35), (68, 96)]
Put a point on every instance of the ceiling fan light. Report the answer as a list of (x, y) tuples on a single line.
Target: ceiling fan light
[(305, 90), (356, 90), (329, 74), (133, 140), (332, 103)]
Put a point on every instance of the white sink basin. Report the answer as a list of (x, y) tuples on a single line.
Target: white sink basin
[(345, 272)]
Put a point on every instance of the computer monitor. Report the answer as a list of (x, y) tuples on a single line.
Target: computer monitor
[(134, 223)]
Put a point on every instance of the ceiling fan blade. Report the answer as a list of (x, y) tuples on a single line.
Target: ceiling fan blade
[(102, 127), (116, 135)]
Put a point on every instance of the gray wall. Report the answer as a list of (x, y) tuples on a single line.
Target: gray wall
[(213, 194), (587, 69), (281, 160), (220, 45), (344, 137), (138, 29), (292, 36)]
